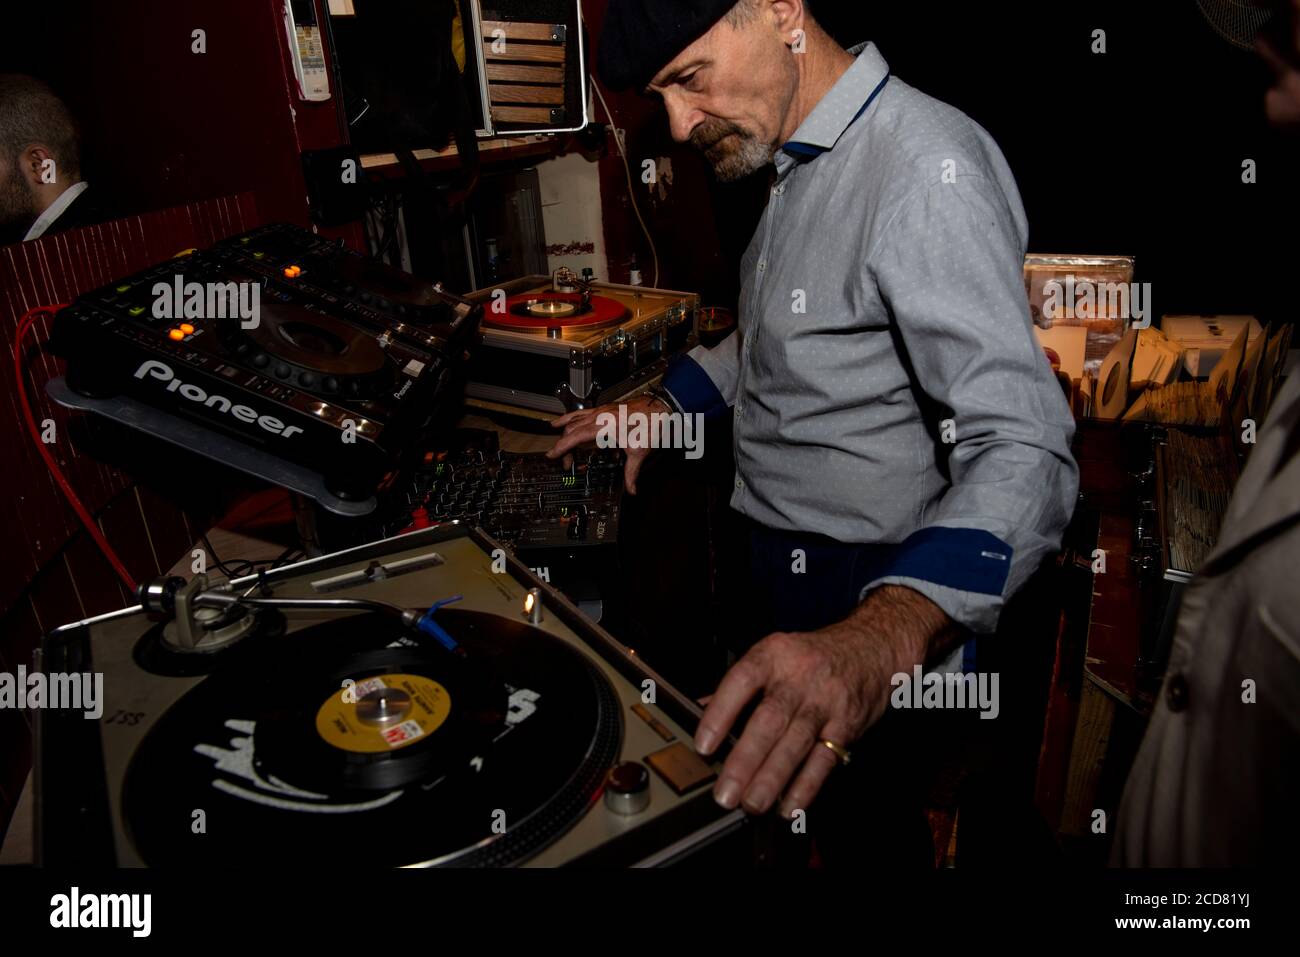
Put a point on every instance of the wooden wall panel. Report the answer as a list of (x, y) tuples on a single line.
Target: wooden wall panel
[(54, 270)]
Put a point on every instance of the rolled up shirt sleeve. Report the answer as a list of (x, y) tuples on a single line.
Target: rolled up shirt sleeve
[(949, 270)]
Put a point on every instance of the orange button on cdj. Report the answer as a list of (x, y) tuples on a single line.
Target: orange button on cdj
[(175, 334), (186, 328)]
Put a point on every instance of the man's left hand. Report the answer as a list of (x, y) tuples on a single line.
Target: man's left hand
[(830, 684)]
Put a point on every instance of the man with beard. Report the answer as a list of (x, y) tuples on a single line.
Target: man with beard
[(901, 446), (41, 191)]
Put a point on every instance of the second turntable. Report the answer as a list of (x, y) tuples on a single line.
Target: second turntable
[(560, 343)]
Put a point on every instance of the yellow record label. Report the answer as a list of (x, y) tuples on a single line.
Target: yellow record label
[(416, 707)]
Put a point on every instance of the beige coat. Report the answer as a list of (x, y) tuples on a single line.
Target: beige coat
[(1215, 780)]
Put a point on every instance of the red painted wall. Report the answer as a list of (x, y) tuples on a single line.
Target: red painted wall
[(163, 125)]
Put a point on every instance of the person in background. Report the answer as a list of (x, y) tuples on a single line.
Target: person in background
[(1282, 102), (1217, 778), (41, 190)]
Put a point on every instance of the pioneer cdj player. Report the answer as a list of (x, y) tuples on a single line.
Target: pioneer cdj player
[(422, 700), (288, 342), (368, 291)]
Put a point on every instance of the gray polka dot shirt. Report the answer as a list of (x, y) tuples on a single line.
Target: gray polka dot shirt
[(885, 381)]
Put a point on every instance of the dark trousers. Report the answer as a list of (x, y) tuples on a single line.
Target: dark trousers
[(869, 812)]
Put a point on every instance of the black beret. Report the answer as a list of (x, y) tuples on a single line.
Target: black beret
[(641, 37)]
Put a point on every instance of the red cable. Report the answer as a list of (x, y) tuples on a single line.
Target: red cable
[(24, 324)]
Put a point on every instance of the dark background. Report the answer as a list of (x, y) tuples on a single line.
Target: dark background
[(1136, 151)]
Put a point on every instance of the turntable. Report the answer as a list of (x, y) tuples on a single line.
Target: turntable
[(389, 705), (559, 343)]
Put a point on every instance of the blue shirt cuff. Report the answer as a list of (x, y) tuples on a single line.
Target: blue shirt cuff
[(963, 559), (691, 387)]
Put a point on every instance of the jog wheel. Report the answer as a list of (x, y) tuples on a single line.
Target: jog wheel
[(312, 351)]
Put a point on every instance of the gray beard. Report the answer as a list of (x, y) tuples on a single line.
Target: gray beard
[(745, 156)]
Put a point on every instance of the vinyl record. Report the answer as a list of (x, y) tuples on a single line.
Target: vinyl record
[(381, 719), (1111, 398), (218, 780), (541, 311)]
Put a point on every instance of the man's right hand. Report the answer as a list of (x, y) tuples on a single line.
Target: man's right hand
[(581, 428)]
